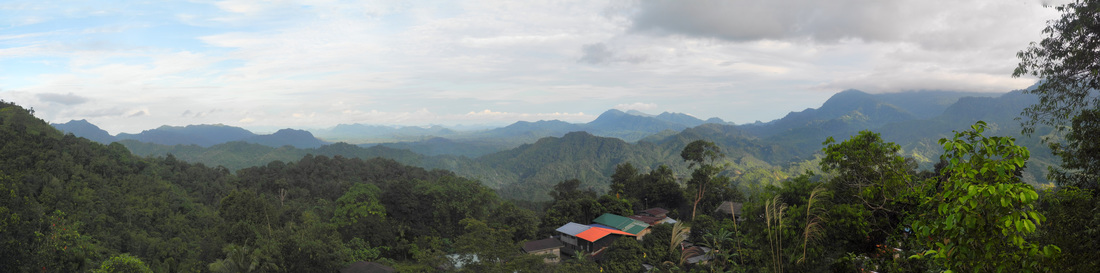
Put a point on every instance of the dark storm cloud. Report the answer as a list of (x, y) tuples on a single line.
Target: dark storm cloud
[(66, 99), (749, 20)]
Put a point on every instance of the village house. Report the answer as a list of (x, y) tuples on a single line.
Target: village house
[(549, 246), (635, 228), (655, 212), (728, 208), (587, 239)]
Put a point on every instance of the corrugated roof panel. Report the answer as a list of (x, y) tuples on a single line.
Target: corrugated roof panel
[(572, 228), (602, 226), (596, 233), (621, 223)]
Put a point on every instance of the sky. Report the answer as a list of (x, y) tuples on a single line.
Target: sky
[(128, 66)]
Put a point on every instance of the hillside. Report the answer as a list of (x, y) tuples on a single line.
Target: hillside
[(527, 171), (72, 205)]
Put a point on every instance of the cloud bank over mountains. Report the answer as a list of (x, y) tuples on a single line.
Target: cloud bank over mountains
[(131, 65)]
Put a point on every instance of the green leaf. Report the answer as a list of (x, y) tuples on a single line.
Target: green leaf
[(1051, 250)]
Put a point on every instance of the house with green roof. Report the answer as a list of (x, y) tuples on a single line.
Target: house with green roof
[(637, 228)]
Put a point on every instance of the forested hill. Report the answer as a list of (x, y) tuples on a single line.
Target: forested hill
[(767, 152), (72, 205)]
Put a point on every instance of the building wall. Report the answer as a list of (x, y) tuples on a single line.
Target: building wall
[(642, 233), (556, 252)]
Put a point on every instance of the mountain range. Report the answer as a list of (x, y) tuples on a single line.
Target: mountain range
[(524, 160), (204, 135)]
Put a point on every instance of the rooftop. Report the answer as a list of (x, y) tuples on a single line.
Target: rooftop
[(729, 207), (656, 212), (622, 223), (549, 243), (596, 233), (572, 228), (650, 220)]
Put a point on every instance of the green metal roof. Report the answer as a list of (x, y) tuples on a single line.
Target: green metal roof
[(622, 223)]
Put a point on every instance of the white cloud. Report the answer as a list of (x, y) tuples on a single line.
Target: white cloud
[(636, 106), (511, 117), (318, 63)]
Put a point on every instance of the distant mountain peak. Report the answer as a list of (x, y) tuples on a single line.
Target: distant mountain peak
[(611, 113), (288, 136), (289, 131), (85, 129)]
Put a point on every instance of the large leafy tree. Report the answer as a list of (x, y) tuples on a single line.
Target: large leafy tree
[(625, 255), (705, 180), (1073, 224), (871, 173), (1080, 154), (123, 263), (981, 218), (1067, 63)]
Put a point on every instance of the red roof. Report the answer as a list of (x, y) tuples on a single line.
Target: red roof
[(596, 233)]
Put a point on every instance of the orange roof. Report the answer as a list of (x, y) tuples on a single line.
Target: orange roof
[(595, 233)]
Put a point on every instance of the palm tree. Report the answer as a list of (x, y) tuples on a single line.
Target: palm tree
[(718, 241), (238, 259)]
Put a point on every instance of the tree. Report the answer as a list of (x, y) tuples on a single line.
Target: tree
[(721, 242), (1081, 153), (625, 255), (624, 180), (246, 214), (522, 222), (123, 263), (487, 246), (570, 189), (869, 170), (238, 259), (701, 152), (359, 202), (1073, 224), (1066, 63), (705, 178), (661, 190), (359, 212), (574, 205), (980, 219), (870, 173)]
